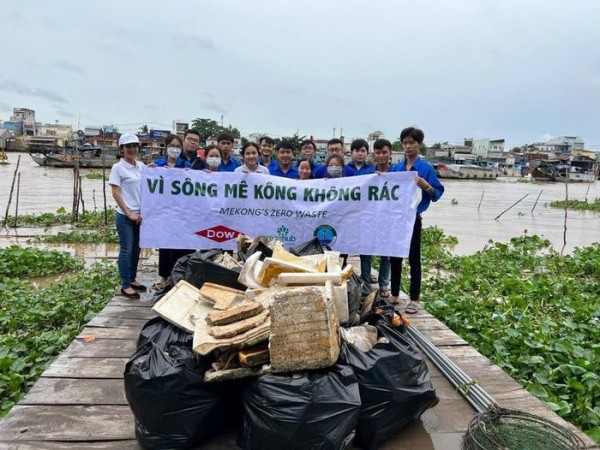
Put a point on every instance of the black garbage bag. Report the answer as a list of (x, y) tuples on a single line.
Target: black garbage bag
[(173, 407), (198, 269), (354, 288), (307, 410), (312, 247), (358, 291), (162, 332), (395, 386), (259, 244)]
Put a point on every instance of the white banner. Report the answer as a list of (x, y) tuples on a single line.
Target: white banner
[(367, 214)]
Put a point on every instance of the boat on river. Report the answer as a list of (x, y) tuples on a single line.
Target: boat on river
[(84, 156), (467, 171), (575, 171)]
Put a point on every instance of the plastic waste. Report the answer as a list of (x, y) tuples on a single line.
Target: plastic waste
[(395, 386), (308, 410)]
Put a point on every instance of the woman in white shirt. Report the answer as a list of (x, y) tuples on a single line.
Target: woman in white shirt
[(250, 153), (125, 182)]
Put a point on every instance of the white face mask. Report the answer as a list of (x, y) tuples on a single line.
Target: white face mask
[(173, 152), (334, 171), (213, 161)]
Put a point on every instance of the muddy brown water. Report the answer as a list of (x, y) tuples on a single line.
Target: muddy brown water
[(45, 189)]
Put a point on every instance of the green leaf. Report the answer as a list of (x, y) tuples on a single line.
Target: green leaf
[(594, 433)]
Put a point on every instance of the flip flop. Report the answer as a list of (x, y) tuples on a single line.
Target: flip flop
[(384, 293), (412, 307), (395, 300)]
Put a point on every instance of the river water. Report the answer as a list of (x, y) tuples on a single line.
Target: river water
[(45, 189)]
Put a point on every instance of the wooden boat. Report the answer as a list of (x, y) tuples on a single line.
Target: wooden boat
[(467, 172), (84, 156), (573, 172)]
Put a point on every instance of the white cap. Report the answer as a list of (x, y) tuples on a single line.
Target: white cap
[(128, 138)]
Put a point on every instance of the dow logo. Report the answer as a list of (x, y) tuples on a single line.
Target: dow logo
[(218, 233)]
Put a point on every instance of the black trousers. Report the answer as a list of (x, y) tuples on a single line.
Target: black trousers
[(414, 260), (167, 257)]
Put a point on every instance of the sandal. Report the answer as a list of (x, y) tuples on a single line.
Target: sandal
[(160, 284), (384, 292), (395, 300), (139, 287), (412, 307), (131, 295)]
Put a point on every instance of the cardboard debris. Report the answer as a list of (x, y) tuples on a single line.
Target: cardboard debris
[(227, 261), (255, 356), (180, 306), (304, 330), (221, 297), (239, 327), (244, 310), (204, 342)]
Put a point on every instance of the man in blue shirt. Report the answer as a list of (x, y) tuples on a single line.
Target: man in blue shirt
[(359, 150), (189, 154), (307, 153), (412, 139), (284, 168), (266, 145), (334, 146), (225, 144)]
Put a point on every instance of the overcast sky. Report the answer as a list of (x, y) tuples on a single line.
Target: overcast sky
[(511, 69)]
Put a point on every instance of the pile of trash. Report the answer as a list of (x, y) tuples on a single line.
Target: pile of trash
[(290, 347)]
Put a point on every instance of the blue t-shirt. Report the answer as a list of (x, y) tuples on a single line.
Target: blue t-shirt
[(426, 171), (231, 165), (291, 173), (364, 169), (272, 164), (321, 172), (180, 163)]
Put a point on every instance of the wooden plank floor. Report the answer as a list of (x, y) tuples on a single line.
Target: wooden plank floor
[(79, 401)]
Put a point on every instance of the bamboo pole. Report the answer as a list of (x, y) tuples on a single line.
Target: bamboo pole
[(81, 197), (74, 202), (499, 215), (566, 214), (480, 200), (536, 200), (12, 187), (17, 200), (94, 199), (587, 191)]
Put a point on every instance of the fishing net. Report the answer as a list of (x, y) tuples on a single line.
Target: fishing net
[(504, 429)]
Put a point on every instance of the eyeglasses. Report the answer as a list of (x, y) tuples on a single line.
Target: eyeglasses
[(192, 140)]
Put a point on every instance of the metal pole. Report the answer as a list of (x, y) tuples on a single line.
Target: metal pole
[(480, 200)]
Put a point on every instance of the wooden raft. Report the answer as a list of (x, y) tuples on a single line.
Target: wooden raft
[(79, 401)]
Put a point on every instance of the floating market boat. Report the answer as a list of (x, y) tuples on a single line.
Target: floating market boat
[(84, 156), (575, 171), (467, 171)]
